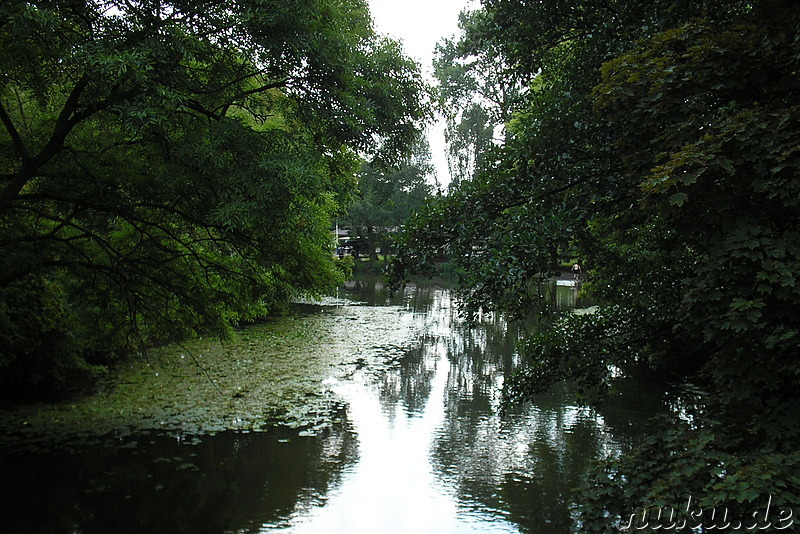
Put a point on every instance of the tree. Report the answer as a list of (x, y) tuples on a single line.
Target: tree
[(477, 91), (387, 197), (170, 168), (658, 143)]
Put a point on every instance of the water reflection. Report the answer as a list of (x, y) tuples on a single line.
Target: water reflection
[(398, 415), (566, 295), (435, 453), (423, 449), (226, 483)]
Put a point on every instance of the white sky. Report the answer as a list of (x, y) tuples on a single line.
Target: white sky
[(420, 24)]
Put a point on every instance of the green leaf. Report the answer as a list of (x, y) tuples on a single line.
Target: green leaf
[(678, 199)]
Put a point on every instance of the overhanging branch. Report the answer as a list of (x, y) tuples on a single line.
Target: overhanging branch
[(16, 139)]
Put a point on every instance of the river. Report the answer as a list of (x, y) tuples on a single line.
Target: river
[(413, 441)]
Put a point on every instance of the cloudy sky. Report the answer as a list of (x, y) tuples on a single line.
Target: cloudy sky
[(420, 24)]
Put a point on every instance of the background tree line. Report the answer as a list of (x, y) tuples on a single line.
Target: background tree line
[(169, 168), (386, 198), (658, 143)]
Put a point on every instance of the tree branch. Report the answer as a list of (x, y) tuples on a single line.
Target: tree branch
[(266, 87), (66, 121), (19, 145)]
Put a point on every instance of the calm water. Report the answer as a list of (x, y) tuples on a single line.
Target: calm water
[(421, 448)]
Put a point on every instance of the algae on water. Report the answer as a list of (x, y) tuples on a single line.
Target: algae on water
[(272, 373)]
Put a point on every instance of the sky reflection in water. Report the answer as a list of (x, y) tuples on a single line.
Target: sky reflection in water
[(422, 447), (434, 454)]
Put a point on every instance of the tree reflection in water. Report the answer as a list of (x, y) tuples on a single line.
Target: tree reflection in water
[(229, 482), (423, 447), (437, 456)]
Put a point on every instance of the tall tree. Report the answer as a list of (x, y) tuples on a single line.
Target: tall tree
[(477, 91), (170, 167), (388, 196), (658, 142)]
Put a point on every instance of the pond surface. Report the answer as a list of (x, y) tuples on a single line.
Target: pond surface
[(412, 440)]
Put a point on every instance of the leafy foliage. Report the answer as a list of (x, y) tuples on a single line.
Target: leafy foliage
[(169, 168), (477, 92), (658, 143), (386, 198)]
